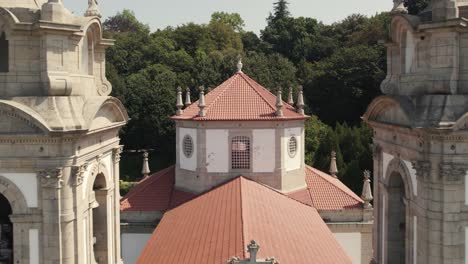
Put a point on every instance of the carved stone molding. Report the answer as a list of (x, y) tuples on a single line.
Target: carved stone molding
[(423, 168), (452, 172), (51, 178), (116, 152), (79, 173), (376, 150)]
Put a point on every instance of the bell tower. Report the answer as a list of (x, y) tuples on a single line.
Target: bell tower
[(59, 144), (421, 139)]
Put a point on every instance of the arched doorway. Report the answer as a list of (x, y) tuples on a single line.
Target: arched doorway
[(100, 220), (396, 220), (6, 232)]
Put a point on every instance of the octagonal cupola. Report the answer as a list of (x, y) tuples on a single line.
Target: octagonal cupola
[(240, 128)]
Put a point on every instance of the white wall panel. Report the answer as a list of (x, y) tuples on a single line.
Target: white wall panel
[(132, 246), (33, 246), (217, 150), (191, 162), (27, 183), (292, 163), (264, 150), (351, 243)]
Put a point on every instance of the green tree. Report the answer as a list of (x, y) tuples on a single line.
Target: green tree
[(124, 21), (416, 6), (233, 20)]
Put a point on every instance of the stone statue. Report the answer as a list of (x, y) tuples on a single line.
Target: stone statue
[(399, 7), (93, 9)]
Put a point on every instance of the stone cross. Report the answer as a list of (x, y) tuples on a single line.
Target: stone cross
[(252, 248)]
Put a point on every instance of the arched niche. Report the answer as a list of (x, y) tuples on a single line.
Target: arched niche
[(12, 204), (100, 199), (399, 213)]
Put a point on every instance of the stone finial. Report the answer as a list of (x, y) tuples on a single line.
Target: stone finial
[(253, 248), (188, 101), (179, 103), (333, 166), (201, 102), (239, 65), (279, 103), (300, 101), (93, 9), (290, 96), (145, 171), (367, 191), (399, 7)]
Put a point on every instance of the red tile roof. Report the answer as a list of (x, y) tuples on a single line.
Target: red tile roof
[(217, 225), (155, 193), (240, 98), (325, 192)]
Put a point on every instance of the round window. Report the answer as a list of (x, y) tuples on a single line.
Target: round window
[(187, 146), (292, 147)]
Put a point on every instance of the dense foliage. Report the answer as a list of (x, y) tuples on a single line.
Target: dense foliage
[(340, 66)]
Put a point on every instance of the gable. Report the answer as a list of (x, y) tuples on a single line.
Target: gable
[(390, 110)]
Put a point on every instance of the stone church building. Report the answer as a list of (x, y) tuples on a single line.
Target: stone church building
[(59, 144), (420, 138), (240, 129)]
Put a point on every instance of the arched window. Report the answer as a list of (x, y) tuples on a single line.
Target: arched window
[(87, 54), (240, 152), (6, 232), (100, 220), (4, 53)]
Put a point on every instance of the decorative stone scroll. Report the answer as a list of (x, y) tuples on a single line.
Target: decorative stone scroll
[(79, 172), (452, 172), (116, 153), (423, 168), (51, 178)]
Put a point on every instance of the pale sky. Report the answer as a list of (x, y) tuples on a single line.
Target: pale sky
[(162, 13)]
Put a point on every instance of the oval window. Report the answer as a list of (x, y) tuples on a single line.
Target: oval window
[(292, 147), (187, 146)]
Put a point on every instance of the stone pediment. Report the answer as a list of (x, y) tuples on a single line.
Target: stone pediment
[(60, 114), (18, 119), (438, 111), (390, 110)]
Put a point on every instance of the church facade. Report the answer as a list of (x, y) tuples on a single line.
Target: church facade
[(420, 138), (59, 144)]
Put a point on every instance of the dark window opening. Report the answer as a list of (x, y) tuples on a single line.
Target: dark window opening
[(4, 53), (6, 232)]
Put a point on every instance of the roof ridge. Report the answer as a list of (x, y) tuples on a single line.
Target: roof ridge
[(242, 217), (278, 192), (353, 195), (150, 180), (249, 80)]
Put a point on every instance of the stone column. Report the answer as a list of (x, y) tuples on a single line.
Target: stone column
[(51, 182), (116, 174)]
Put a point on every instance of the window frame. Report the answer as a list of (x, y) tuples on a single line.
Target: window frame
[(187, 136), (250, 156)]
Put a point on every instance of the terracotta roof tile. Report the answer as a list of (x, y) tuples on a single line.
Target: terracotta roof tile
[(218, 224), (155, 193), (325, 192), (240, 98)]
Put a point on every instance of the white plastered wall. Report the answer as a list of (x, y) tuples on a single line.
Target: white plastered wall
[(189, 163), (27, 183), (351, 243), (217, 150), (33, 246), (264, 150), (132, 245), (292, 163)]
